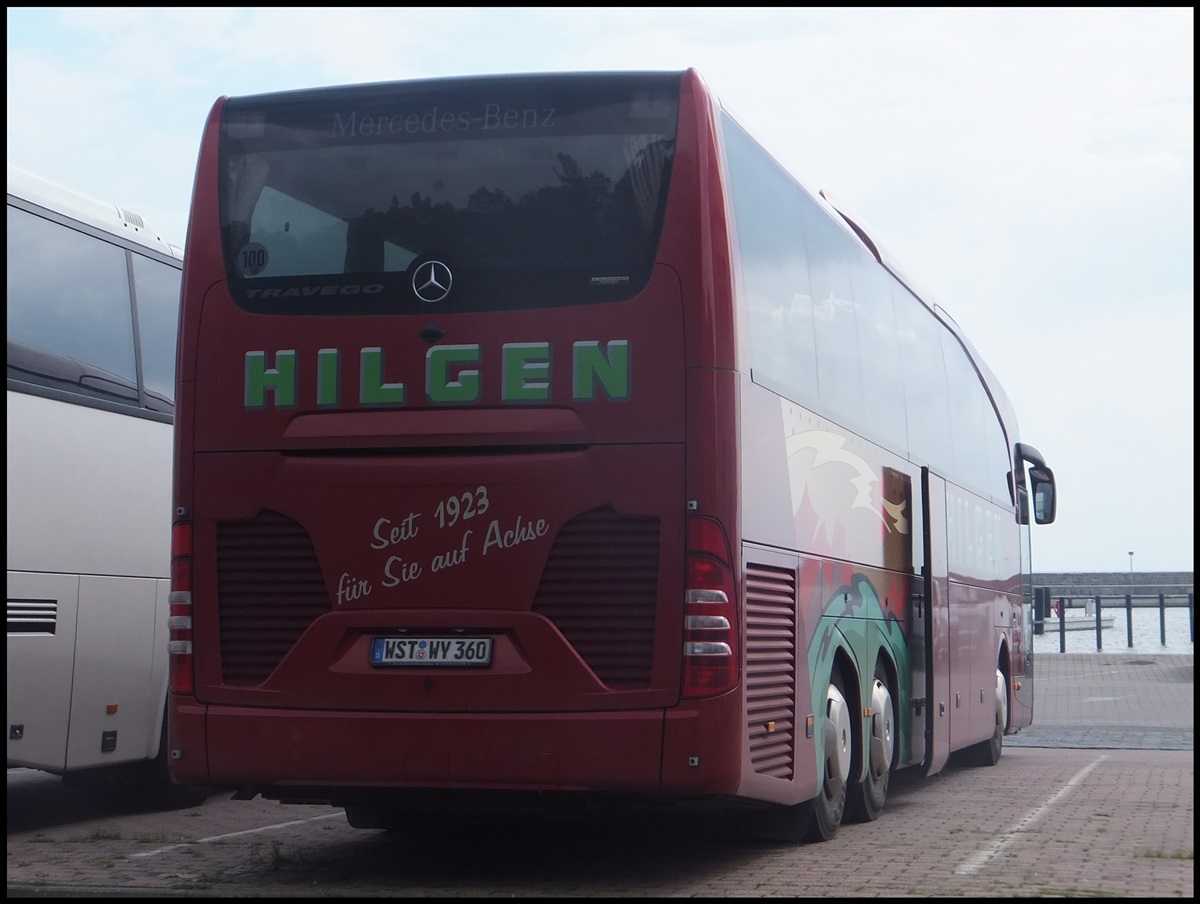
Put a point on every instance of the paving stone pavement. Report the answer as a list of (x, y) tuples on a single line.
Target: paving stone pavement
[(1096, 799), (1112, 701)]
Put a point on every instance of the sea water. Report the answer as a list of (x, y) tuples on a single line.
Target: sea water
[(1147, 633)]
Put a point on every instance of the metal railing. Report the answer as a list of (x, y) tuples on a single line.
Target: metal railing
[(1044, 604)]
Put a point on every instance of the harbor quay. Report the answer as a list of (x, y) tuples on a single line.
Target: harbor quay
[(1144, 589), (1119, 602)]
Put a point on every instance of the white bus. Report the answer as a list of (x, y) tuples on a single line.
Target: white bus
[(93, 302)]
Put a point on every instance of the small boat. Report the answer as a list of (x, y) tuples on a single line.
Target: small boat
[(1079, 622)]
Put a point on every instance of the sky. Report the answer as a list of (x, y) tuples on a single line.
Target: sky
[(1031, 169)]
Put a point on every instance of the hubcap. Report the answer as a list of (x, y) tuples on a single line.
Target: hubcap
[(838, 737), (882, 740), (1001, 702)]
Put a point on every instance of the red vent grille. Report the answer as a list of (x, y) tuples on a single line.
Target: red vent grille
[(600, 589), (269, 590), (771, 669)]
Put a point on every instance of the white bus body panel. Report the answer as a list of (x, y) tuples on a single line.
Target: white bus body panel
[(92, 533), (88, 490)]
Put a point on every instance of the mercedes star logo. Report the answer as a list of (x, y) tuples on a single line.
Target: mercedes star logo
[(431, 281)]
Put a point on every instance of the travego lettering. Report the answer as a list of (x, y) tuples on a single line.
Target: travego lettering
[(453, 375), (315, 291)]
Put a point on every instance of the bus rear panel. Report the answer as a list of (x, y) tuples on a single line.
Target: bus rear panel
[(434, 414)]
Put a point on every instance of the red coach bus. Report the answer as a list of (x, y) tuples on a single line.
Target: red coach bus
[(540, 439)]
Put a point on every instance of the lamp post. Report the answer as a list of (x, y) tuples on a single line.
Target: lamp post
[(1129, 604)]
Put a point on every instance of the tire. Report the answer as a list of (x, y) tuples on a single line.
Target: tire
[(789, 825), (987, 753), (359, 816), (143, 786), (415, 825), (865, 799), (149, 785), (160, 793), (829, 806)]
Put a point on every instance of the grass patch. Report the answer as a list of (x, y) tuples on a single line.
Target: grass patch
[(200, 883), (102, 835), (277, 860)]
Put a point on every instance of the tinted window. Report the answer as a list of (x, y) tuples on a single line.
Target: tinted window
[(830, 328), (969, 406), (839, 374), (68, 294), (925, 390), (774, 268), (158, 323), (998, 462), (532, 190), (879, 342)]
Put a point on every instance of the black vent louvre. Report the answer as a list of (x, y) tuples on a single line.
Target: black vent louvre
[(771, 669), (269, 590), (32, 616), (600, 589)]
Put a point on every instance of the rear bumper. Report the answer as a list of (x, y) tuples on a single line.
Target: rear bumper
[(639, 752)]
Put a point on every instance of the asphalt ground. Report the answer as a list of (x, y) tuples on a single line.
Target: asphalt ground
[(1096, 799)]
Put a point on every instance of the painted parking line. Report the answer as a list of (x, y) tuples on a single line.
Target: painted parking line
[(982, 858), (212, 838)]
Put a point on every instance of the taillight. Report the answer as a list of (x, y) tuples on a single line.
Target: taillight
[(710, 620), (179, 622)]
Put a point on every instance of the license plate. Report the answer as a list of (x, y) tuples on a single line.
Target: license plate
[(452, 652)]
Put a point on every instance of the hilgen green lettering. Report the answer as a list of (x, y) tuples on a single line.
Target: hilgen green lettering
[(279, 380), (372, 389), (525, 372), (608, 369), (329, 377), (448, 379)]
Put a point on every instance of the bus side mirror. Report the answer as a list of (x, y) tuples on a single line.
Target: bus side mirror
[(1044, 496)]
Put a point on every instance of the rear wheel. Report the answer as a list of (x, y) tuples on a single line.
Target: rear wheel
[(359, 816), (142, 786), (149, 784), (416, 823), (865, 799), (987, 753), (790, 824), (830, 804)]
